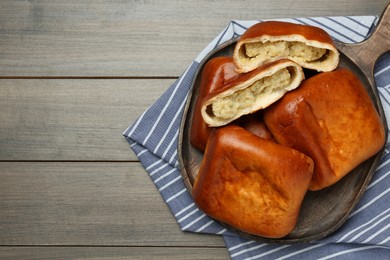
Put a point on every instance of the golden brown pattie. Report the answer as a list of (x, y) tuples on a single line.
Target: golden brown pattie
[(332, 119), (251, 92), (250, 183), (216, 73), (309, 46)]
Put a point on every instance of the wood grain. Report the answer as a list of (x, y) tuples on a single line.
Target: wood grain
[(94, 204), (132, 38), (73, 76), (74, 119), (114, 253)]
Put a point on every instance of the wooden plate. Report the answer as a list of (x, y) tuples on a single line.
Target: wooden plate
[(323, 211)]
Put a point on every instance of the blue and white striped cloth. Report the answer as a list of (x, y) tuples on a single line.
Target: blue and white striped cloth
[(154, 137)]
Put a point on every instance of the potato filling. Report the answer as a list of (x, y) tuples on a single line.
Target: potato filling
[(228, 107), (297, 51)]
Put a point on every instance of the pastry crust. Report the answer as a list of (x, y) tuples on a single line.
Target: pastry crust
[(254, 123), (251, 92), (309, 46), (250, 183), (216, 73), (332, 119)]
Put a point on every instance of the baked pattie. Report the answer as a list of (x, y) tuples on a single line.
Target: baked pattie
[(251, 92), (250, 183), (309, 46), (254, 123), (216, 73), (332, 119)]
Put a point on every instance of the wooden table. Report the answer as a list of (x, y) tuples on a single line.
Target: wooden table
[(73, 76)]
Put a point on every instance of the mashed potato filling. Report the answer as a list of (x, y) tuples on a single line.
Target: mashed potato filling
[(297, 51), (227, 107)]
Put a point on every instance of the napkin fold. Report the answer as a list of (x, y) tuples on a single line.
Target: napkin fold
[(154, 137)]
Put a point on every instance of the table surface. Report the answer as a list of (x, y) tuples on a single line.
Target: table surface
[(73, 76)]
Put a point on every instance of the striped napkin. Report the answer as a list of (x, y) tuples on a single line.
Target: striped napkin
[(154, 137)]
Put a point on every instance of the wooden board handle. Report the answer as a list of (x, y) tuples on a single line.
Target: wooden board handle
[(366, 53), (379, 41)]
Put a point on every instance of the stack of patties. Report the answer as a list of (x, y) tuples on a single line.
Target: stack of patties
[(268, 135)]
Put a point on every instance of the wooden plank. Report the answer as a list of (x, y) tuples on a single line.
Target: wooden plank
[(114, 253), (105, 204), (58, 119), (132, 38)]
